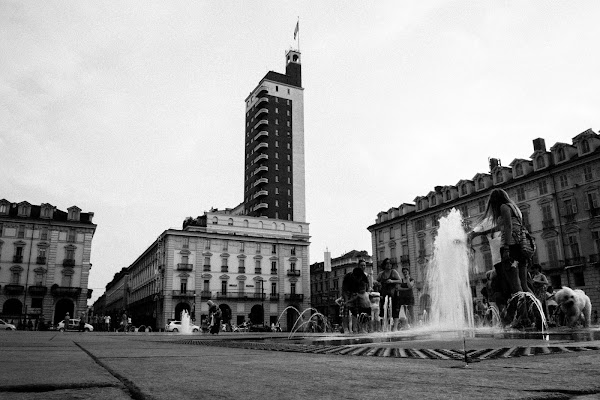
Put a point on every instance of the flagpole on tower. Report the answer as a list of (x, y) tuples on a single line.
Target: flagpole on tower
[(297, 32)]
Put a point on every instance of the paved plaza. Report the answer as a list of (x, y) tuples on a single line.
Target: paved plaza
[(53, 365)]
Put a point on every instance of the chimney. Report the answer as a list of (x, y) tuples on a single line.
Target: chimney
[(539, 144), (494, 162)]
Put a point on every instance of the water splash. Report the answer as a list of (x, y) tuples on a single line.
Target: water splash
[(448, 276), (186, 323)]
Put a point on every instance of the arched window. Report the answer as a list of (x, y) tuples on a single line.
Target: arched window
[(215, 220), (540, 162), (585, 146), (518, 170)]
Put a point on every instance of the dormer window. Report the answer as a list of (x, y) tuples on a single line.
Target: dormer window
[(499, 177), (480, 184), (540, 162), (561, 154), (73, 213), (45, 212), (433, 200), (518, 170), (4, 208), (24, 210), (585, 146), (463, 190), (448, 195)]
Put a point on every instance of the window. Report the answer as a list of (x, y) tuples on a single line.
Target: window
[(21, 231), (573, 246), (241, 266), (293, 288), (230, 222), (521, 194), (420, 225), (183, 285), (543, 187), (552, 251), (585, 146), (587, 173), (223, 287), (43, 234), (242, 247), (207, 263), (547, 212), (70, 254), (274, 266), (596, 239), (591, 201), (3, 208), (71, 236), (480, 184), (39, 277), (15, 273), (259, 288), (570, 207), (257, 267), (540, 162), (293, 251), (433, 200), (276, 143), (564, 181), (67, 279), (207, 244), (276, 110), (578, 278), (273, 287), (561, 154), (463, 190), (392, 235), (37, 302), (258, 248), (184, 259), (499, 177), (206, 286), (225, 245), (518, 169), (403, 229), (274, 249), (464, 210)]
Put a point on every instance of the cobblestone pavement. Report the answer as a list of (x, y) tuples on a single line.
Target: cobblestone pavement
[(48, 365)]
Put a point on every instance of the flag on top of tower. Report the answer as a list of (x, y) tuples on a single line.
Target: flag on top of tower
[(297, 29)]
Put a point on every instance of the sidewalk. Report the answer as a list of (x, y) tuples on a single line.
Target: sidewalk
[(52, 365)]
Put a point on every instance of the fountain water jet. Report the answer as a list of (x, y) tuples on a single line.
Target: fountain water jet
[(448, 277), (186, 323)]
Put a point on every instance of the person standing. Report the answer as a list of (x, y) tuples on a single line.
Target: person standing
[(406, 295), (67, 318), (389, 279), (354, 291), (506, 217), (124, 321), (215, 315), (539, 284), (107, 323)]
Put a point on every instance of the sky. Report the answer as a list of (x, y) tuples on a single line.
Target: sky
[(135, 110)]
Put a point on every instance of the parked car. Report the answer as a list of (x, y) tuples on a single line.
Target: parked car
[(6, 326), (73, 326), (175, 326), (259, 328)]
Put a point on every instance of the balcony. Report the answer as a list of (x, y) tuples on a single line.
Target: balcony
[(422, 253), (184, 267), (261, 122), (274, 297), (68, 262), (569, 217), (261, 101), (184, 293), (261, 113), (17, 259), (261, 157), (241, 270), (259, 181), (14, 289), (260, 193), (206, 268), (293, 272), (205, 294), (260, 169), (40, 260), (548, 224), (259, 206), (258, 270), (294, 297), (273, 271), (224, 268), (261, 145), (66, 291), (38, 290)]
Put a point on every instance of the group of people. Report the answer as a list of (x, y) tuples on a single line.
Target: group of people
[(365, 305)]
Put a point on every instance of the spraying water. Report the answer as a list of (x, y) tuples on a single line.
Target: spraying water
[(186, 324), (448, 277)]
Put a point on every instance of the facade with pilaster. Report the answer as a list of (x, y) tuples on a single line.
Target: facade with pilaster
[(558, 192), (44, 262)]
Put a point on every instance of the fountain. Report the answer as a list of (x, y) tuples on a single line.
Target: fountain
[(448, 277), (186, 323)]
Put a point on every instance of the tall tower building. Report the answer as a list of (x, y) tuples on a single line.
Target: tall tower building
[(274, 166)]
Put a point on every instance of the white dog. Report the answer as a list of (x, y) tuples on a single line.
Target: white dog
[(575, 304)]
